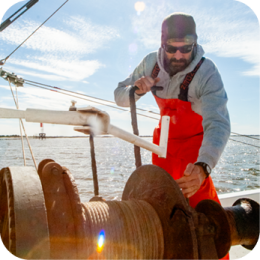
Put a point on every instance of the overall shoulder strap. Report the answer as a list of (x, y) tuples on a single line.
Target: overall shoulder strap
[(187, 80), (155, 71)]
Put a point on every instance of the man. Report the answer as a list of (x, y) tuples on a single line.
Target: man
[(193, 96)]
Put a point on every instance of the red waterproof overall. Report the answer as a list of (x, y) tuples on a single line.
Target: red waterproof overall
[(185, 139)]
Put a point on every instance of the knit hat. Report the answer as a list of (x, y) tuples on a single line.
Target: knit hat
[(179, 27)]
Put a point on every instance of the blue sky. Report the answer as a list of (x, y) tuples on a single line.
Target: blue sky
[(89, 46)]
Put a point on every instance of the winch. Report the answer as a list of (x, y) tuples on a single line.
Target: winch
[(42, 217)]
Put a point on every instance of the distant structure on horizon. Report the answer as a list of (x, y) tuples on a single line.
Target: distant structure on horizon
[(42, 135)]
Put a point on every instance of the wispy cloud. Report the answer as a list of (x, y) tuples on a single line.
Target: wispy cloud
[(59, 54), (227, 29), (59, 68), (75, 36)]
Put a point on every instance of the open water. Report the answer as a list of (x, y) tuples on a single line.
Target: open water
[(237, 170)]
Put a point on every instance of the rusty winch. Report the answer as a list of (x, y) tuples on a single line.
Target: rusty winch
[(42, 217)]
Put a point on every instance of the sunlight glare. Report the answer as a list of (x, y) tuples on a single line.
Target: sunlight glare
[(139, 7), (101, 241)]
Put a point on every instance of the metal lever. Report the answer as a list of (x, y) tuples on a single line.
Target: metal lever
[(153, 88)]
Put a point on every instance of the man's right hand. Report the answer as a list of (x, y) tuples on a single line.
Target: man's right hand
[(144, 84)]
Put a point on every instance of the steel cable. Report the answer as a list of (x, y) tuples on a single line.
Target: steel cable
[(29, 145), (244, 143), (73, 92), (33, 83), (246, 136), (20, 126), (81, 94), (126, 110)]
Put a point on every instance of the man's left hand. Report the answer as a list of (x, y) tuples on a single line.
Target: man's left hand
[(193, 177)]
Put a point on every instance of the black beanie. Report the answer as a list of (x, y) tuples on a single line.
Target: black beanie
[(179, 27)]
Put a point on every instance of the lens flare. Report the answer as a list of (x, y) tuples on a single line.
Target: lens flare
[(139, 7), (133, 48), (101, 241), (112, 171)]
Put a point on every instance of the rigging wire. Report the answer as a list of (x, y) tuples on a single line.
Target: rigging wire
[(3, 61), (81, 94), (126, 110), (20, 126), (29, 145), (247, 136), (244, 143)]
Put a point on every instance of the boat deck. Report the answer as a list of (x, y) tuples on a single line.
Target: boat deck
[(237, 252)]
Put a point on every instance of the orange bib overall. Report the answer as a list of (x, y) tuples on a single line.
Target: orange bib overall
[(184, 142)]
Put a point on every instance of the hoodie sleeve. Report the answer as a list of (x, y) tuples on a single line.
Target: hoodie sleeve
[(216, 123), (145, 68)]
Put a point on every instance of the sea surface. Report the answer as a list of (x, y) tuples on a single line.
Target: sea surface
[(238, 168)]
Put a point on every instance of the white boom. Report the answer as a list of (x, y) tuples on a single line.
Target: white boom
[(90, 118)]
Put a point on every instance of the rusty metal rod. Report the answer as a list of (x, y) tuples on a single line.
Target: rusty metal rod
[(93, 164), (243, 219)]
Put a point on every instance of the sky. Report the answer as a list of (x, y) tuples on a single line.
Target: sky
[(90, 46)]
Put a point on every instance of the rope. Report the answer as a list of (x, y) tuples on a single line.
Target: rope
[(4, 60), (24, 158), (24, 128), (137, 150)]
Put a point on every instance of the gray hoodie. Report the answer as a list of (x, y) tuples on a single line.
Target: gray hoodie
[(206, 93)]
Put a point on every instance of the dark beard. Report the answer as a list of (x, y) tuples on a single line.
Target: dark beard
[(179, 65)]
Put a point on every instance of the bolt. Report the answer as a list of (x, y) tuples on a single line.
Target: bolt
[(55, 171), (211, 229)]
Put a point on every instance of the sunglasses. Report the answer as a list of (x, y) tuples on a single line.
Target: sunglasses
[(182, 49)]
